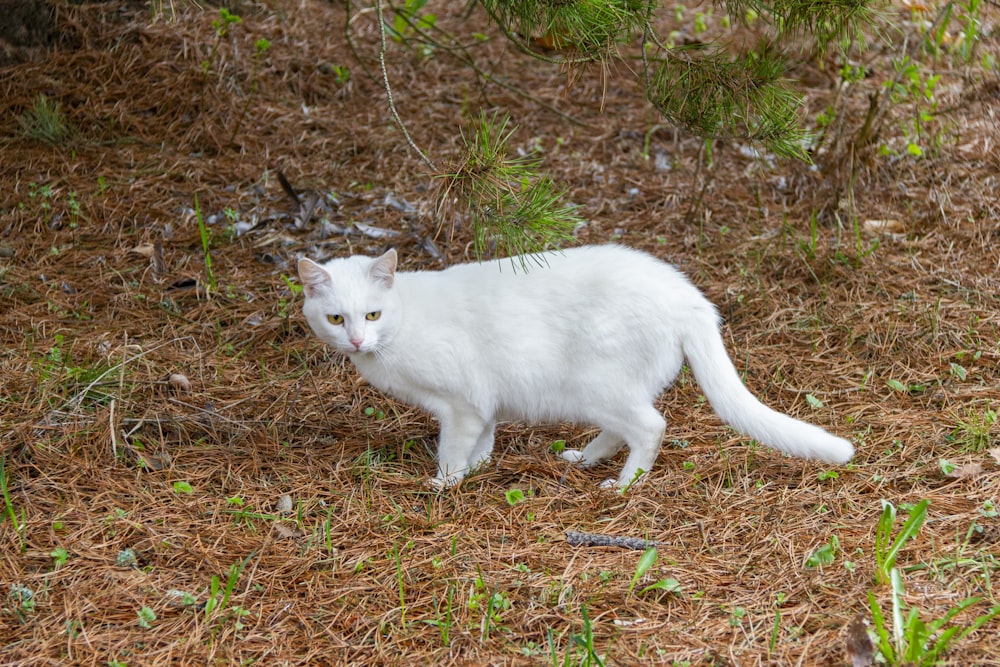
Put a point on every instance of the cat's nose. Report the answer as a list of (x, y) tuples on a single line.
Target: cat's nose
[(356, 342)]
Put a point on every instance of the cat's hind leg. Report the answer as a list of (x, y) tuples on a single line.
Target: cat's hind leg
[(642, 429), (604, 446), (461, 434)]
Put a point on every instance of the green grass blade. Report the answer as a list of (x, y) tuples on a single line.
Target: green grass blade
[(898, 624), (908, 531), (878, 620), (647, 561), (980, 622), (952, 613), (942, 643)]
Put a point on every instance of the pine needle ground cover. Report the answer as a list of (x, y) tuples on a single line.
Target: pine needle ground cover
[(189, 478)]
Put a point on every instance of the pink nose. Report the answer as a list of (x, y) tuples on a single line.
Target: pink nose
[(356, 342)]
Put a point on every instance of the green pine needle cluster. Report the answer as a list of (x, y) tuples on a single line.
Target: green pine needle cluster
[(827, 21), (714, 95), (511, 207), (591, 27), (45, 122), (710, 89)]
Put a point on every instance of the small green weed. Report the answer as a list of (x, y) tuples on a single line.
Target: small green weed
[(492, 605), (260, 48), (443, 619), (59, 557), (514, 496), (825, 554), (221, 25), (407, 22), (21, 599), (8, 505), (913, 641), (206, 241), (45, 122), (886, 552), (183, 487), (974, 433), (146, 618), (647, 561), (579, 642), (215, 606)]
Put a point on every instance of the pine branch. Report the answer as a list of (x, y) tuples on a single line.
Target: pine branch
[(591, 28), (509, 203), (713, 95), (388, 89), (829, 21)]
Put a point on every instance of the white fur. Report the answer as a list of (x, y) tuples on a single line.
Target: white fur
[(593, 335)]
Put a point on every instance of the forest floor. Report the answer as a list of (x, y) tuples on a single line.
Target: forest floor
[(190, 478)]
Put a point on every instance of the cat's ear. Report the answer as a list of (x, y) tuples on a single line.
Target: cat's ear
[(313, 276), (383, 269)]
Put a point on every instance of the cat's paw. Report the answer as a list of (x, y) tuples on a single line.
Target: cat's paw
[(444, 483), (611, 485), (576, 456), (624, 483)]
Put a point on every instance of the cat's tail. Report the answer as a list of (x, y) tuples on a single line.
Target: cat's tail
[(721, 384)]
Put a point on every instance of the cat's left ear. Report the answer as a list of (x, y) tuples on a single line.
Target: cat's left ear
[(313, 276), (383, 269)]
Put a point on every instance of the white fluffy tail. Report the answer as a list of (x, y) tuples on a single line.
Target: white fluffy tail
[(721, 384)]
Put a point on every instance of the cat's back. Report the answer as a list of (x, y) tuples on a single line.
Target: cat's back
[(555, 289), (581, 265)]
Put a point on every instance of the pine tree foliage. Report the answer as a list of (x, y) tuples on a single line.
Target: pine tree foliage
[(708, 89), (827, 21), (593, 27), (508, 201), (712, 89), (711, 94)]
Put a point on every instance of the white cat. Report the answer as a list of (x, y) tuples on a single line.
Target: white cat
[(590, 335)]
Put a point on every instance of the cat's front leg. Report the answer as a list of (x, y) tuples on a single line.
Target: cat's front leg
[(462, 431), (484, 446)]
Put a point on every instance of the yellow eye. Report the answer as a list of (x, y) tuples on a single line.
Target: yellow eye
[(336, 320), (374, 315)]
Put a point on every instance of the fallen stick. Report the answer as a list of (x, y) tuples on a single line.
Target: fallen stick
[(575, 539)]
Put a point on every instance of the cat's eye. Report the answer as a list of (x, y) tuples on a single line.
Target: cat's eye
[(374, 315), (336, 320)]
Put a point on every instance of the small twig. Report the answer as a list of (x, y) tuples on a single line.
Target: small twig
[(75, 402), (114, 427), (461, 54), (388, 89), (575, 539), (289, 190)]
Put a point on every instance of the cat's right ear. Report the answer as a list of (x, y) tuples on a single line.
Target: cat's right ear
[(312, 276)]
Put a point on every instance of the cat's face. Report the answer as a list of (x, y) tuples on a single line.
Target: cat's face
[(350, 304)]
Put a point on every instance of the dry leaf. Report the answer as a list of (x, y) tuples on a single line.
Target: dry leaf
[(154, 461), (890, 226), (995, 453), (284, 504), (145, 249), (287, 532), (179, 382), (156, 262), (859, 645), (965, 470), (147, 461)]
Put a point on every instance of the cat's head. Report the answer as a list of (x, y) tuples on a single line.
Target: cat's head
[(350, 303)]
